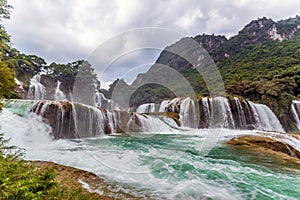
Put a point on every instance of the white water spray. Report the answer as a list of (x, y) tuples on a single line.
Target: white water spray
[(36, 90), (59, 95)]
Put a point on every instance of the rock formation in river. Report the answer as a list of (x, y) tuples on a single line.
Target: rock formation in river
[(265, 144)]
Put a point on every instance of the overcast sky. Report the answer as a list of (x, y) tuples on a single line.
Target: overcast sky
[(65, 31)]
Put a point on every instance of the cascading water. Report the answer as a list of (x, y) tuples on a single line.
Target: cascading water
[(99, 97), (295, 107), (100, 101), (151, 123), (220, 111), (171, 164), (163, 106), (146, 108), (206, 108), (217, 112), (74, 120), (70, 120), (188, 115), (241, 114), (36, 90), (265, 119), (59, 95)]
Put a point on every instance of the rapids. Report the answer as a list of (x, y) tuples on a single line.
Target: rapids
[(162, 166)]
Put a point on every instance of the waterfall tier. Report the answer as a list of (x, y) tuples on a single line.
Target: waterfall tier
[(37, 91), (59, 95), (221, 112), (147, 108), (74, 120), (295, 108)]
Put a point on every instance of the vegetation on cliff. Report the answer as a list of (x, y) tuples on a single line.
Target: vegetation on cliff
[(261, 63), (14, 64)]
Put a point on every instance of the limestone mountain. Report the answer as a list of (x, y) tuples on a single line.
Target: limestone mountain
[(225, 52)]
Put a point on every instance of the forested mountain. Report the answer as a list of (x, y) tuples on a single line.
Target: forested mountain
[(260, 63)]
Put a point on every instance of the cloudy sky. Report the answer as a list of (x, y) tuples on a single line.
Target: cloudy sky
[(65, 31)]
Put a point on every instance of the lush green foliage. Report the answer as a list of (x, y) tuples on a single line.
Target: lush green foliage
[(22, 180), (7, 82), (19, 180), (269, 73)]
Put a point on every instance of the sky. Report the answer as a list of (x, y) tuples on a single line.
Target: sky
[(64, 31)]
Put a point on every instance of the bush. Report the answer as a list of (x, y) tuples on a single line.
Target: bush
[(19, 179)]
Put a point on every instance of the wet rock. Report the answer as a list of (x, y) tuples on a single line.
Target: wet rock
[(265, 144)]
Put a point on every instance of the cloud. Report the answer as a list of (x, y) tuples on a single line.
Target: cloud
[(63, 30)]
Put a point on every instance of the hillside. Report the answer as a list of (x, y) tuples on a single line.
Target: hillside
[(262, 50)]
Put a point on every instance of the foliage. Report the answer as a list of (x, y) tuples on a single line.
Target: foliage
[(5, 10), (18, 179), (7, 82), (22, 180)]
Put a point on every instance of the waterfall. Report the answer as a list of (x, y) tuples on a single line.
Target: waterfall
[(146, 108), (295, 107), (241, 113), (36, 90), (206, 108), (101, 101), (111, 116), (150, 123), (163, 106), (75, 120), (174, 105), (99, 97), (220, 113), (188, 114), (59, 95), (265, 119)]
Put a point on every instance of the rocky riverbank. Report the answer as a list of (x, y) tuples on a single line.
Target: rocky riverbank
[(76, 180)]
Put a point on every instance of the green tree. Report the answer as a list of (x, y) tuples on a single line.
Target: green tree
[(7, 82), (5, 10)]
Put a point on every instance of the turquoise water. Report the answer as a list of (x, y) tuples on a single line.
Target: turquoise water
[(21, 108), (170, 166), (162, 166)]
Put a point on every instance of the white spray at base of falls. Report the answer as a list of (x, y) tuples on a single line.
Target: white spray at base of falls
[(146, 108), (59, 95), (36, 90), (25, 132)]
